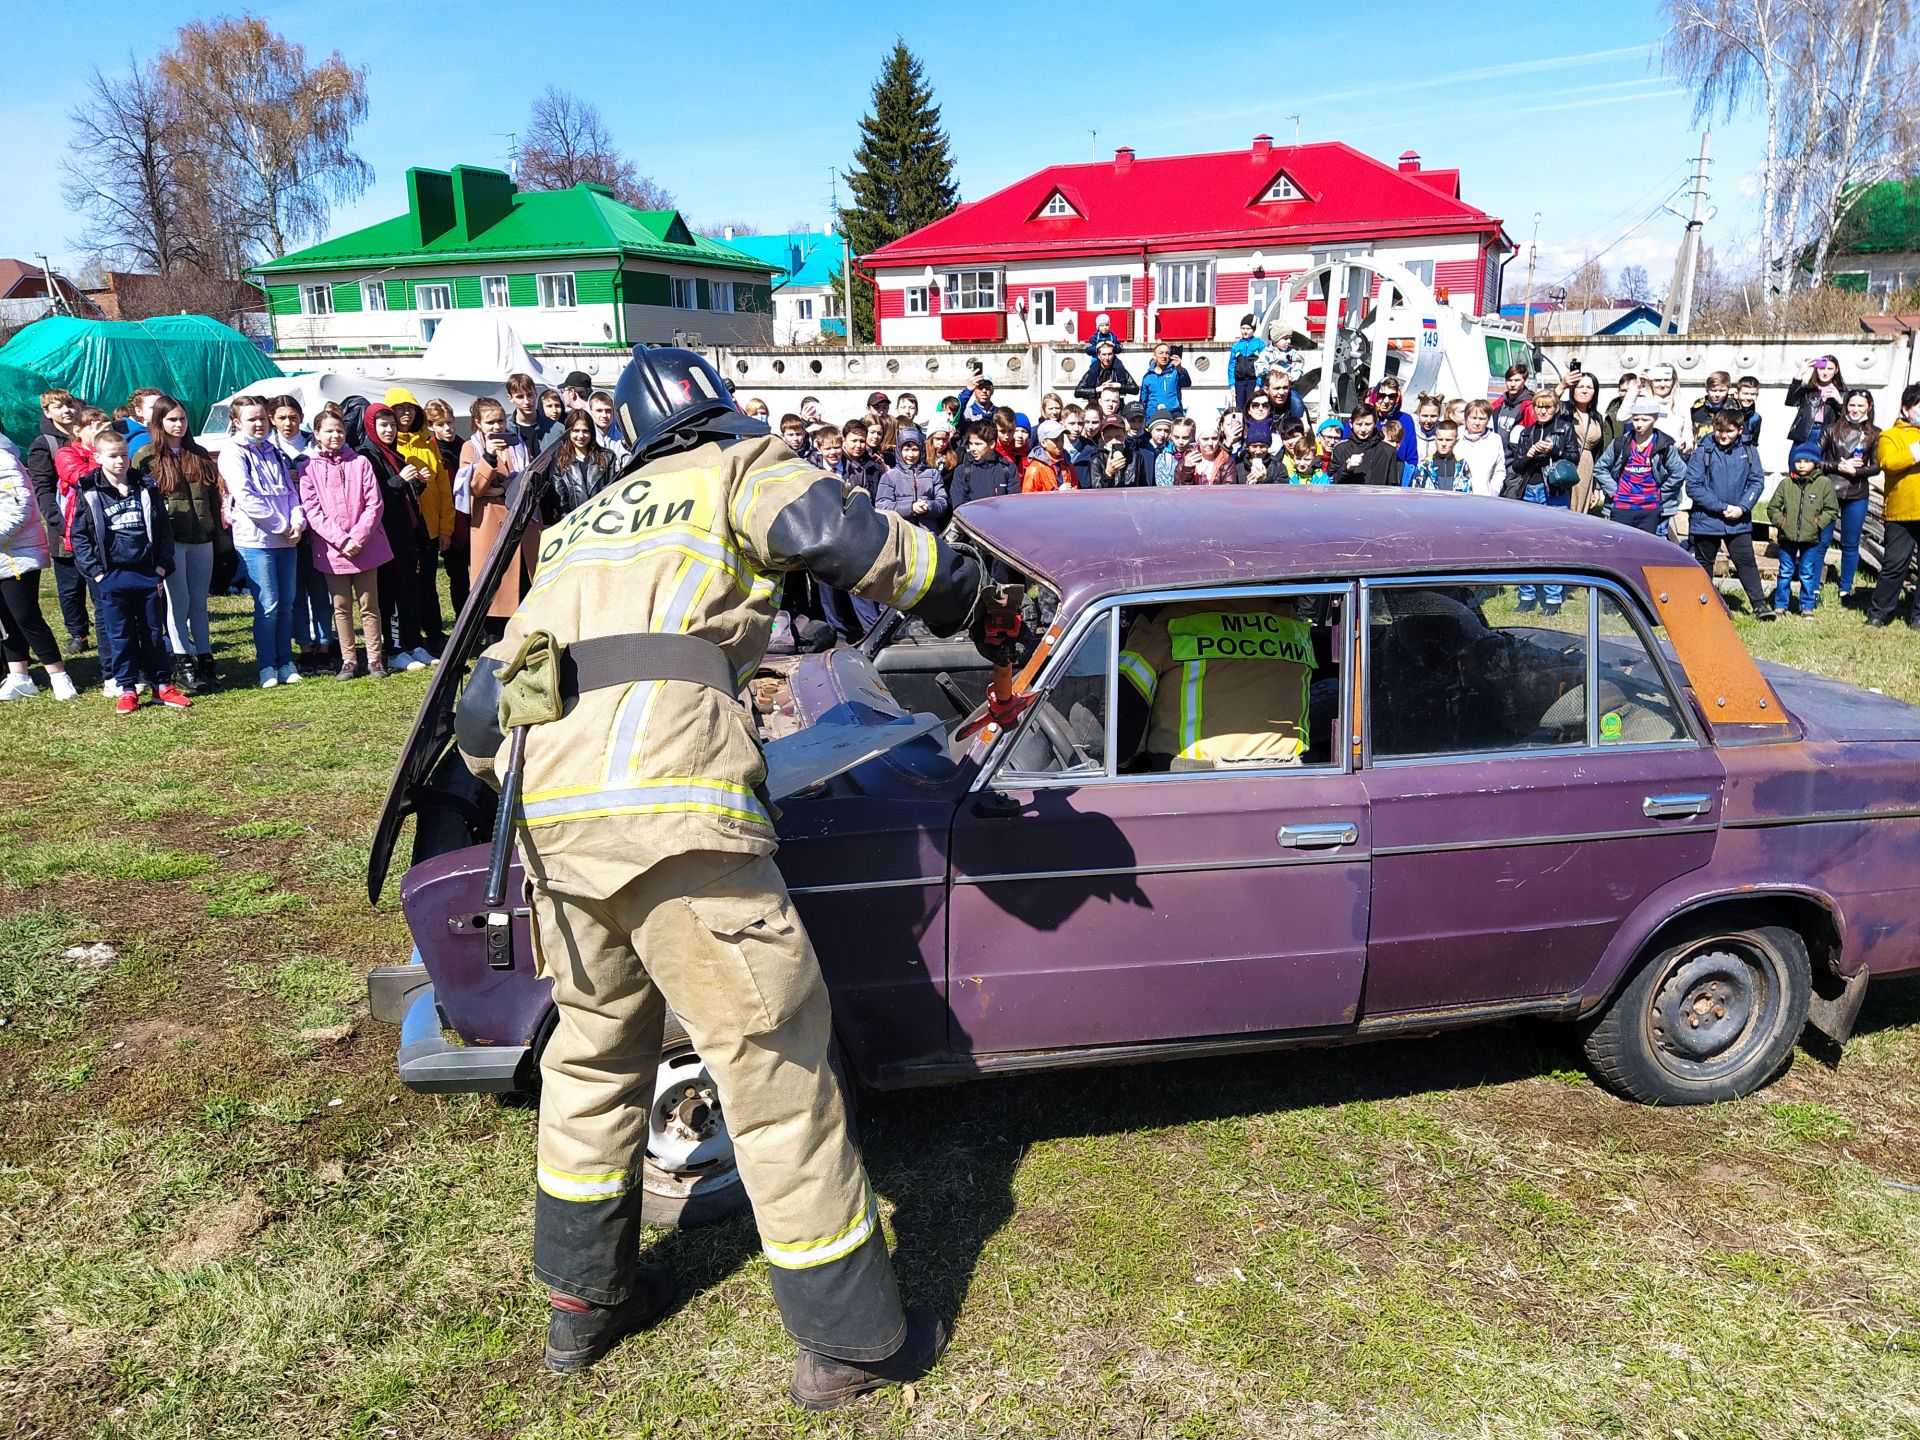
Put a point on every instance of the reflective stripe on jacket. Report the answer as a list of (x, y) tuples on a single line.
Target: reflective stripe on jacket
[(693, 544)]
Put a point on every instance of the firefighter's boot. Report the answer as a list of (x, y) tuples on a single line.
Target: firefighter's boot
[(579, 1334), (821, 1382)]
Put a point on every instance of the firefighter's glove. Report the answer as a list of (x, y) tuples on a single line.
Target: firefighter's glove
[(996, 624), (530, 684)]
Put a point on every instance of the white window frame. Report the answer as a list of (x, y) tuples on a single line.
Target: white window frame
[(803, 308), (1034, 307), (495, 285), (1262, 292), (970, 292), (719, 296), (1109, 292), (316, 299), (1280, 190), (682, 293), (424, 295), (553, 286), (1058, 207), (919, 300), (429, 324), (373, 295), (1183, 283), (1421, 270), (1327, 254)]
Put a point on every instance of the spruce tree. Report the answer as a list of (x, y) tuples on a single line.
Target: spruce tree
[(902, 176)]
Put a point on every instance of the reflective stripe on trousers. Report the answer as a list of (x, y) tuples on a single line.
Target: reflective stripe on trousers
[(716, 938)]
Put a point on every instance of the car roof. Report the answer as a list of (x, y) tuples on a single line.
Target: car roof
[(1090, 543)]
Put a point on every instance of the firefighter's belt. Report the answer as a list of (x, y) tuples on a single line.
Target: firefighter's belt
[(611, 660), (551, 671)]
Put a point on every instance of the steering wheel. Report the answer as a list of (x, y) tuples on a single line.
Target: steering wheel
[(1066, 749)]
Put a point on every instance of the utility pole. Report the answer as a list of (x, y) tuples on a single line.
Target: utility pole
[(47, 278), (1686, 265), (1533, 258), (846, 281)]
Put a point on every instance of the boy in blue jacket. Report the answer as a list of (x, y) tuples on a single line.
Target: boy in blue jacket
[(1243, 360), (124, 544), (1724, 482)]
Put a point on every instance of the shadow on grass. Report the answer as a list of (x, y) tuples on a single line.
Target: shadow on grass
[(948, 1157)]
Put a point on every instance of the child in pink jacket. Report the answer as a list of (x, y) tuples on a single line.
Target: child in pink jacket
[(342, 500)]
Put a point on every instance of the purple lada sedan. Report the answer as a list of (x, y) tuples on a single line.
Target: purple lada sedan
[(1540, 775)]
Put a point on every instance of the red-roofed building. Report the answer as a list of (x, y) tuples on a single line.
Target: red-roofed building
[(1177, 248)]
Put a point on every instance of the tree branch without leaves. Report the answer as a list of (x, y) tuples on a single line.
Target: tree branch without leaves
[(567, 143), (123, 174)]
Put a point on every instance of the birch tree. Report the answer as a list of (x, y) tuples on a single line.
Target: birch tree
[(271, 135), (1829, 80)]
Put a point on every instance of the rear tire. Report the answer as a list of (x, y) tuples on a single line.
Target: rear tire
[(1713, 1015), (690, 1176)]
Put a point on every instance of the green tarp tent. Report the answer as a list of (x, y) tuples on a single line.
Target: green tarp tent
[(192, 358)]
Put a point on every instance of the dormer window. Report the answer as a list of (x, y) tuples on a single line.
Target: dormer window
[(1058, 208), (1282, 188)]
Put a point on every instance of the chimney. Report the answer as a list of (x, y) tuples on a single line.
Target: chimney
[(729, 234), (482, 198), (429, 204), (1123, 159), (1262, 147), (1409, 159)]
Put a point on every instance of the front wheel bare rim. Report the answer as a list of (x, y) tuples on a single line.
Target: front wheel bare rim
[(1716, 1007), (689, 1151)]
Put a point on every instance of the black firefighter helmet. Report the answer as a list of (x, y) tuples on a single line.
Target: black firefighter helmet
[(671, 399)]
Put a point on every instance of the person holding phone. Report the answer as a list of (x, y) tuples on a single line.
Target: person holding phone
[(490, 462)]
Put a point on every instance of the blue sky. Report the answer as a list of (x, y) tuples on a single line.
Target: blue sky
[(742, 113)]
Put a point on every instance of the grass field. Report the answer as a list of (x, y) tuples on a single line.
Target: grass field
[(221, 1216)]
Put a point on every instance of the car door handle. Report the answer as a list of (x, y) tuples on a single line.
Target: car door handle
[(1319, 837), (1668, 807)]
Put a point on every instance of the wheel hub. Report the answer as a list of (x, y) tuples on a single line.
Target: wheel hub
[(1707, 1005), (687, 1132)]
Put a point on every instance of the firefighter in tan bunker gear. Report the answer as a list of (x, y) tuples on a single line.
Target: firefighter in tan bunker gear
[(648, 853)]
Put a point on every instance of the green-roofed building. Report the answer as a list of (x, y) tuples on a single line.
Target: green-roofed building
[(1877, 249), (569, 269)]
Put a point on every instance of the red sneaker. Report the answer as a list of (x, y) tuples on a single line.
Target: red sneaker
[(171, 698), (127, 703)]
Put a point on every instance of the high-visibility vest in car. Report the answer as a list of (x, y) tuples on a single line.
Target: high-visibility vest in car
[(1227, 680)]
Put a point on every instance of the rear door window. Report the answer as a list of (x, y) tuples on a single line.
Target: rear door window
[(1486, 668)]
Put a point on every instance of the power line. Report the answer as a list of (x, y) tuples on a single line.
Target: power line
[(1664, 189), (1627, 234)]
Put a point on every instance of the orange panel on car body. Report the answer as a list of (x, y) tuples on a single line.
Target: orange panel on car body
[(1725, 679)]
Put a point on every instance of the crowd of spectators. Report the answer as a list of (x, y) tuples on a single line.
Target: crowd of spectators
[(366, 505), (361, 507), (1691, 474)]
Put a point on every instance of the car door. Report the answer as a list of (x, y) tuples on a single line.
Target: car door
[(1094, 907), (1531, 776)]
